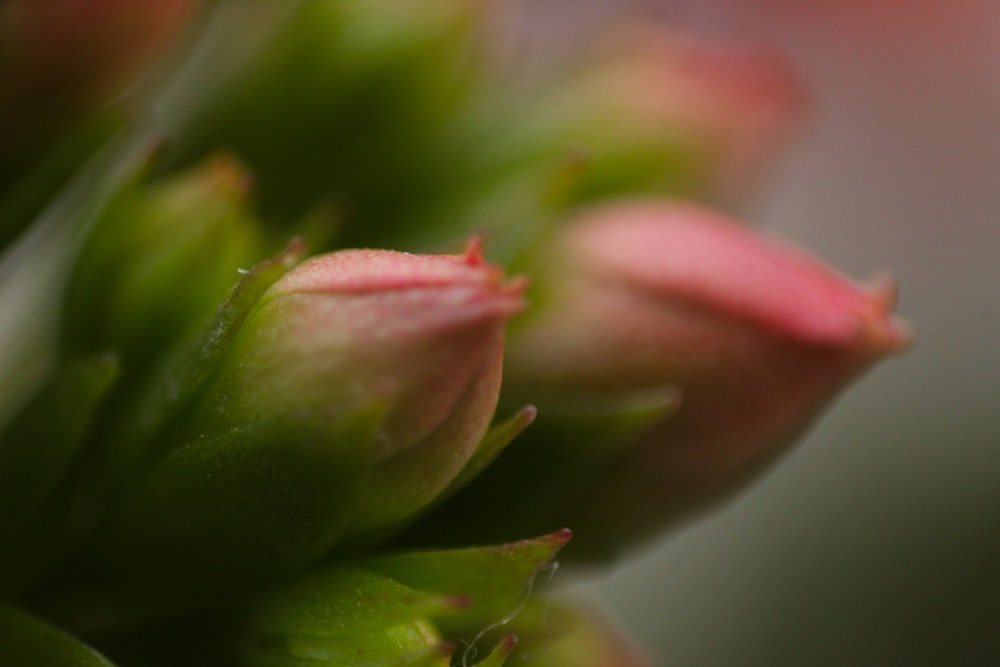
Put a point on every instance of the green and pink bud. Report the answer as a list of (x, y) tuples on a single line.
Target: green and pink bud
[(354, 393)]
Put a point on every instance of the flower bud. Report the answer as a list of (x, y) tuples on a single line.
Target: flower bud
[(571, 632), (755, 335), (352, 395)]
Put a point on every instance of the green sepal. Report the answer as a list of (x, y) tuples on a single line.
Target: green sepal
[(496, 580), (185, 371), (347, 617), (496, 440), (535, 483), (37, 450), (189, 367), (28, 642)]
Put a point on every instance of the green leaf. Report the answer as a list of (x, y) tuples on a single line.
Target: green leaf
[(534, 485), (340, 600), (25, 189), (37, 450), (124, 293)]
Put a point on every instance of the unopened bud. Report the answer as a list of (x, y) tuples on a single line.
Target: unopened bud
[(353, 394)]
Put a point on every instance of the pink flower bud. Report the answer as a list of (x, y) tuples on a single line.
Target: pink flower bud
[(422, 333), (418, 337), (352, 395), (757, 336)]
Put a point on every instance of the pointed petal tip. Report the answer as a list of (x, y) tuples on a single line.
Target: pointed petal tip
[(882, 331)]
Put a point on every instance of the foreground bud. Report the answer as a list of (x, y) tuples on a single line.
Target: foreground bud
[(648, 298), (355, 391)]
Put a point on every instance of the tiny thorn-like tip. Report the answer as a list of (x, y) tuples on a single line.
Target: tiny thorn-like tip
[(562, 535), (293, 252), (473, 254), (527, 414)]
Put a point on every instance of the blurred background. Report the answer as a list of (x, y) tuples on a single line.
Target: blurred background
[(876, 541)]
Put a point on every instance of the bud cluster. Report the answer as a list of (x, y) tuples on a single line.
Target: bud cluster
[(283, 415)]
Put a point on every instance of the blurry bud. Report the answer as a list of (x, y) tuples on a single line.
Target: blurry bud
[(739, 103), (660, 112), (355, 391), (639, 294), (159, 259), (649, 111), (61, 63), (577, 634), (67, 55), (635, 298), (757, 335), (376, 87)]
